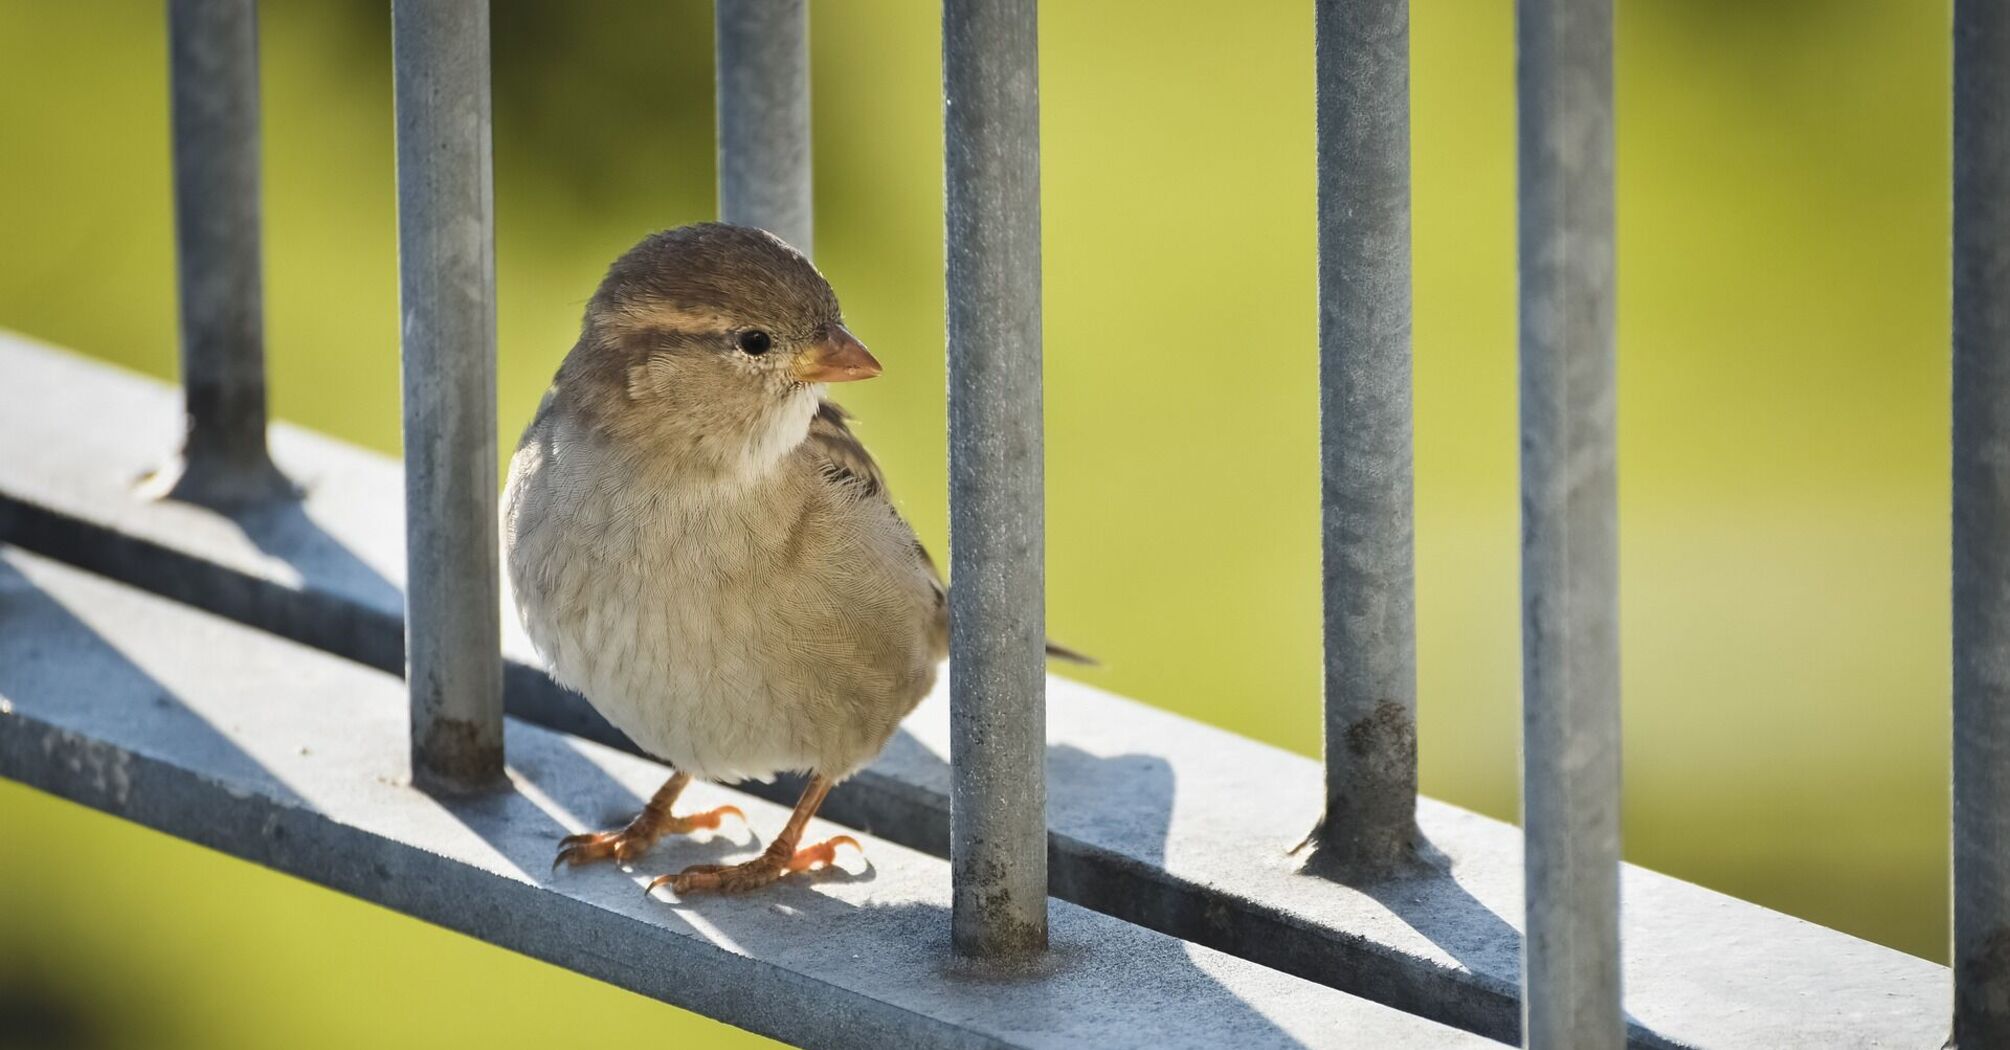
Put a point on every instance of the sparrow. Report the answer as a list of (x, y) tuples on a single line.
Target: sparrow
[(701, 546)]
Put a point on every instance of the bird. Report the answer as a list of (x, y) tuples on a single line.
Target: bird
[(700, 545)]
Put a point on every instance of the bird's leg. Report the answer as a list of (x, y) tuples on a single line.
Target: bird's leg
[(781, 857), (654, 822)]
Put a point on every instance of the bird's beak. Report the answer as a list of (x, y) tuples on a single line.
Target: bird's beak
[(838, 358)]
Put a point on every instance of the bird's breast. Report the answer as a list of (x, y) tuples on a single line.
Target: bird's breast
[(733, 634)]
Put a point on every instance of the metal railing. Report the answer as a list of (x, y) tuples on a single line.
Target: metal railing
[(1365, 496), (1571, 993), (447, 328), (1570, 692), (1570, 525), (997, 539), (213, 50), (1981, 524), (764, 117)]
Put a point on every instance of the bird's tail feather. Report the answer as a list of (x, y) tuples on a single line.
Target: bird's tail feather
[(1057, 651)]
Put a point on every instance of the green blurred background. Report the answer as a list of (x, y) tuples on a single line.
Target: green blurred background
[(1783, 230)]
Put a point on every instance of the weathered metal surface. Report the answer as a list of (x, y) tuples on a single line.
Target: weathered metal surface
[(213, 87), (997, 527), (763, 49), (287, 756), (1570, 525), (1155, 819), (1369, 828), (447, 306), (1981, 519)]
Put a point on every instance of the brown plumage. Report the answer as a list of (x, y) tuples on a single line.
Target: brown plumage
[(701, 545)]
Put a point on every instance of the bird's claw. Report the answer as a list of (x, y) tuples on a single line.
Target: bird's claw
[(628, 843), (622, 846), (763, 870), (710, 818)]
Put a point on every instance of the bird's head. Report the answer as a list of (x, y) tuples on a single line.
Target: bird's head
[(712, 343)]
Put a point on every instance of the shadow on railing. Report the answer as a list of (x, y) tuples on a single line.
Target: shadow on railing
[(91, 665)]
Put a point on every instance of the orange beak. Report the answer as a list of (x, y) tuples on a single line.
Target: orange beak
[(839, 358)]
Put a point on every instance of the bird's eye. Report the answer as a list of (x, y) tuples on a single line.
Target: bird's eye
[(755, 341)]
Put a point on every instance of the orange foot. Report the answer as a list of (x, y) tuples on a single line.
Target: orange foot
[(630, 842), (767, 868)]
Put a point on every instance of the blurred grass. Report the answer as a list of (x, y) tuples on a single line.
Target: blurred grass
[(1783, 329)]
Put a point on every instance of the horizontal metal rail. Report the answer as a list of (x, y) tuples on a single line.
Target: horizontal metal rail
[(178, 720)]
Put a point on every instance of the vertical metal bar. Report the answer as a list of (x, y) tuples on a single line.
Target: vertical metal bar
[(1570, 589), (997, 669), (446, 293), (1363, 51), (764, 117), (213, 62), (1981, 524)]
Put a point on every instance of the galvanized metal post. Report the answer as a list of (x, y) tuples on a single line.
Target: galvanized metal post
[(1570, 590), (1370, 826), (446, 263), (764, 117), (1981, 524), (997, 666), (213, 64)]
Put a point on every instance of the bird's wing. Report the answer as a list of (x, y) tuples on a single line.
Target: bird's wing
[(841, 455), (845, 461)]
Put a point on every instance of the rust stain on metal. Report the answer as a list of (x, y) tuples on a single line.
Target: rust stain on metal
[(1363, 837), (1388, 730), (455, 755)]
